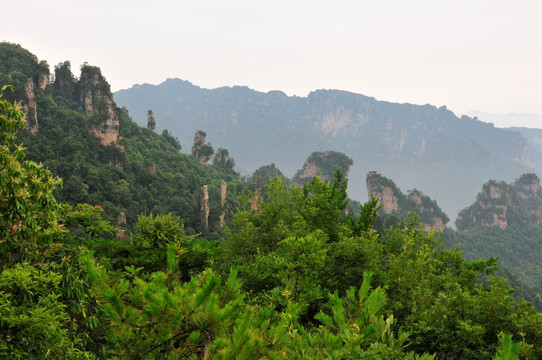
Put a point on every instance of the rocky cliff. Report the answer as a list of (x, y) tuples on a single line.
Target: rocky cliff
[(500, 203), (30, 108), (22, 70), (201, 150), (394, 202), (323, 165), (97, 100)]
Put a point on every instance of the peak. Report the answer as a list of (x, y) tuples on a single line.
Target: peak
[(499, 204)]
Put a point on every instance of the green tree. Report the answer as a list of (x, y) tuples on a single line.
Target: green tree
[(33, 318)]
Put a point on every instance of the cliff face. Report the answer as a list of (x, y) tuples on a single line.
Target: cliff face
[(385, 191), (499, 204), (29, 107), (97, 99), (27, 76), (324, 165), (394, 202), (223, 195)]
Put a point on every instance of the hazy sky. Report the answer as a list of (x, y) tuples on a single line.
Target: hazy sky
[(468, 55)]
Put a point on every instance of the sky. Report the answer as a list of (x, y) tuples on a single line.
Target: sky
[(475, 55)]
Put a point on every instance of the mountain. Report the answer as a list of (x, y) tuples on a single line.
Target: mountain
[(77, 131), (505, 221), (422, 147), (324, 165), (511, 120), (533, 136), (394, 205), (500, 203)]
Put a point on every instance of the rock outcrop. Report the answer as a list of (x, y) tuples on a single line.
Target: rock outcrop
[(323, 165), (205, 209), (44, 80), (97, 100), (223, 160), (223, 195), (385, 191), (151, 123), (394, 202), (201, 150), (29, 107), (499, 204), (121, 232)]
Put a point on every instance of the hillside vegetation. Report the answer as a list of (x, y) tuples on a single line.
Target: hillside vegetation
[(290, 275)]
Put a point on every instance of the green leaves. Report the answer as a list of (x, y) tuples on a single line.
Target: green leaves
[(32, 318), (29, 213)]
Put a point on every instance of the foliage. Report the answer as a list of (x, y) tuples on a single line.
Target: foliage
[(32, 317), (35, 309), (296, 275), (29, 213), (327, 163), (160, 318), (151, 175), (414, 201), (223, 161)]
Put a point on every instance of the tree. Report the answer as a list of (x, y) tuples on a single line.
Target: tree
[(29, 213), (34, 322)]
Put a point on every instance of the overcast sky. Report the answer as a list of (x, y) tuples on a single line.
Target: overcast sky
[(468, 55)]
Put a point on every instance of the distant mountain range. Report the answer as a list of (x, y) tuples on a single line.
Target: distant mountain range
[(511, 120), (423, 147)]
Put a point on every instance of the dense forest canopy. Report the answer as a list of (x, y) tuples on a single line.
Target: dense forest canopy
[(289, 273)]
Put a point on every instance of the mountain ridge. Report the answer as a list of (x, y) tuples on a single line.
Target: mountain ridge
[(419, 146)]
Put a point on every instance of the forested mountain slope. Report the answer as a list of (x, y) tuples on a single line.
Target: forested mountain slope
[(293, 276), (421, 147), (76, 130), (506, 221)]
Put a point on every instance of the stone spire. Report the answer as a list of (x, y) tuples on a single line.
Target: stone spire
[(151, 123), (223, 194), (205, 209)]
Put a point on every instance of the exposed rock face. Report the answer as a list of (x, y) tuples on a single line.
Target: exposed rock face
[(223, 194), (121, 233), (385, 191), (394, 202), (528, 187), (202, 151), (222, 157), (205, 209), (309, 171), (334, 122), (97, 100), (434, 218), (416, 197), (498, 203), (324, 165), (388, 200), (151, 123), (29, 107), (255, 202), (43, 81)]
